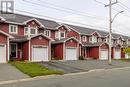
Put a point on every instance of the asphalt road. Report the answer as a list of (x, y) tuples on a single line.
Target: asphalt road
[(107, 78)]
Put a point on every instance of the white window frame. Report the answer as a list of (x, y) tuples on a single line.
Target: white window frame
[(56, 34), (47, 31), (60, 35), (90, 39), (16, 31), (29, 31), (94, 39), (99, 39), (84, 38)]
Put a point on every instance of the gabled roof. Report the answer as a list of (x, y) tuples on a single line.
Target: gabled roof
[(64, 40), (93, 44), (18, 18), (87, 31), (6, 34)]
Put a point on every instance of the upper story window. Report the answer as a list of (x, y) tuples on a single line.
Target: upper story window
[(13, 29), (62, 34), (30, 31), (99, 39), (47, 33), (84, 38), (94, 39), (90, 39)]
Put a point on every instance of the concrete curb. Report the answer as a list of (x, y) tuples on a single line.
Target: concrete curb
[(52, 76)]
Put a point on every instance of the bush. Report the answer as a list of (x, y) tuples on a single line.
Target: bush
[(81, 58)]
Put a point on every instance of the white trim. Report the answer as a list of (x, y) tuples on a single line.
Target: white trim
[(29, 54), (49, 51), (6, 34), (8, 57), (49, 32), (64, 51), (97, 33), (84, 38), (16, 27), (99, 53), (60, 34), (35, 21)]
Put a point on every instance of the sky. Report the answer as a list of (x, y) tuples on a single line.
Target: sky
[(86, 13)]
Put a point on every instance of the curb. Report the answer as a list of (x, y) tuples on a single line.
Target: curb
[(52, 76)]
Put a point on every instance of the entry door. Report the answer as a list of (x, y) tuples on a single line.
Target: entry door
[(13, 50)]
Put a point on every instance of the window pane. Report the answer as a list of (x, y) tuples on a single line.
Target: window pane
[(33, 31), (62, 34)]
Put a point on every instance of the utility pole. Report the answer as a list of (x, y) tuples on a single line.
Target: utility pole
[(110, 29)]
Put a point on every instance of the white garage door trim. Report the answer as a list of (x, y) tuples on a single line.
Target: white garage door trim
[(117, 54), (71, 54), (2, 53), (104, 54), (39, 53)]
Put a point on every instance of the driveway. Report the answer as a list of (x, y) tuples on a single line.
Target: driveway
[(8, 72), (83, 66)]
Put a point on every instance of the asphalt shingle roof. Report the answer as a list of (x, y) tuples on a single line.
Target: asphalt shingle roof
[(18, 18)]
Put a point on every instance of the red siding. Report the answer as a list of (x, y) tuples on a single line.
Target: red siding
[(26, 50), (104, 46), (53, 34), (3, 39), (94, 52), (20, 30), (73, 34), (37, 41), (4, 27), (122, 53), (71, 43), (58, 54), (33, 23)]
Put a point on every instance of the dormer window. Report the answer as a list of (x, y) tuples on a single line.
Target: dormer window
[(84, 38), (90, 39), (13, 29), (47, 33), (99, 39), (30, 31), (62, 34)]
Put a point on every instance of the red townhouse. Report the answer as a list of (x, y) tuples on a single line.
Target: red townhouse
[(34, 39)]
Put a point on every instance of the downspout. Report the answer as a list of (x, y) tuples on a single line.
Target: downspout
[(29, 56), (8, 57)]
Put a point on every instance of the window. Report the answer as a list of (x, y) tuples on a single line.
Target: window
[(62, 34), (25, 30), (47, 33), (56, 34), (30, 31), (90, 39), (84, 38), (94, 39), (99, 39), (13, 29)]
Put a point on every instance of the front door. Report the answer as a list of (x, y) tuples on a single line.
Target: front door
[(13, 50)]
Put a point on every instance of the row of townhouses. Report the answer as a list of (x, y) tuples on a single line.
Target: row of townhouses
[(34, 39)]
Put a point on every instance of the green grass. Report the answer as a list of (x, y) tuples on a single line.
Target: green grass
[(125, 60), (34, 69)]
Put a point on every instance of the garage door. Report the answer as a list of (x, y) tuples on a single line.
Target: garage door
[(104, 54), (126, 56), (2, 54), (39, 54), (71, 54), (117, 54)]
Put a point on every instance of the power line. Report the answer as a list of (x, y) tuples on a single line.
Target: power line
[(63, 10), (124, 5), (59, 19), (44, 2)]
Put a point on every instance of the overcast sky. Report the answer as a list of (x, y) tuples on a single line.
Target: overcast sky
[(88, 13)]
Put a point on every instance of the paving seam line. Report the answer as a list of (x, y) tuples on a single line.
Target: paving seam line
[(52, 76)]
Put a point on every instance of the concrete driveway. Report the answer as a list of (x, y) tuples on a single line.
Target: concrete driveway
[(83, 66), (8, 72)]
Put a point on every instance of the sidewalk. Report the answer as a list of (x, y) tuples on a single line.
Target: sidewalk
[(8, 72)]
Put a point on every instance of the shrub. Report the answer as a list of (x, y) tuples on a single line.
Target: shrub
[(81, 58)]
